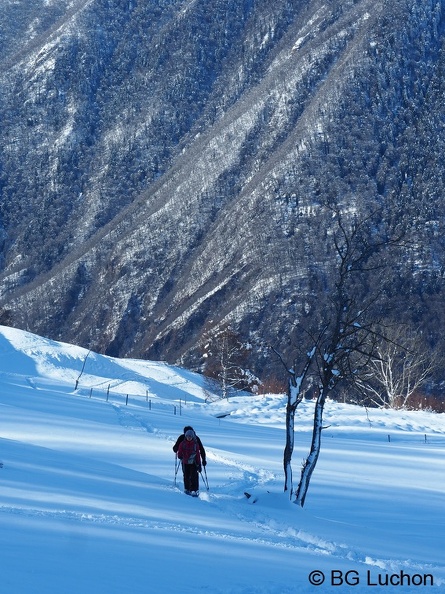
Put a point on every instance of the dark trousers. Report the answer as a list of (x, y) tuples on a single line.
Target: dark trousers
[(191, 477)]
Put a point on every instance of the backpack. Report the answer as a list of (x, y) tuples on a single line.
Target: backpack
[(189, 452)]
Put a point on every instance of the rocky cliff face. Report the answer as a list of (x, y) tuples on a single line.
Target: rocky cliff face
[(163, 163)]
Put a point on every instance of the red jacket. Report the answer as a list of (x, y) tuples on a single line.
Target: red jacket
[(188, 452)]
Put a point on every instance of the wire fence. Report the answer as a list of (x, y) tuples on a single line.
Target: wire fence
[(109, 395)]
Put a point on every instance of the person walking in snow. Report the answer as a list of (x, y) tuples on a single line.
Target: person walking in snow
[(201, 447), (190, 455)]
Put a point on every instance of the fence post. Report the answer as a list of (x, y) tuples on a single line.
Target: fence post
[(91, 392), (126, 400)]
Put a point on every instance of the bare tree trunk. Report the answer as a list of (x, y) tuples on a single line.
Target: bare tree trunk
[(311, 461), (289, 447), (295, 392)]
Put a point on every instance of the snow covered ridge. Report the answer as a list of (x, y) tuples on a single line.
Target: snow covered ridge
[(88, 501)]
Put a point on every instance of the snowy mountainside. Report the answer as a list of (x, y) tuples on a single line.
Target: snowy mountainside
[(164, 162), (89, 503)]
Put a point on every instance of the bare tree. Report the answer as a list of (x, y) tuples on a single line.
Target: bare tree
[(402, 364), (225, 357), (343, 336)]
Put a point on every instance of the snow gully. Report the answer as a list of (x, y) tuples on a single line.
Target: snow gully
[(399, 579)]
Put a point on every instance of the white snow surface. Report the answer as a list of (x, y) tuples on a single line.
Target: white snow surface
[(88, 502)]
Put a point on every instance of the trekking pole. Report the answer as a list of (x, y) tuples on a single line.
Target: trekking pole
[(176, 466), (204, 478)]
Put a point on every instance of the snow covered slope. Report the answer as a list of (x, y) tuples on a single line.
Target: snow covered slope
[(88, 499)]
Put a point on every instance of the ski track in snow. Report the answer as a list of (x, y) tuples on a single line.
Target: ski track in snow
[(137, 522), (251, 475)]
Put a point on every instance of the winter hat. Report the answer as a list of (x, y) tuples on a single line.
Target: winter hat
[(190, 433), (186, 428)]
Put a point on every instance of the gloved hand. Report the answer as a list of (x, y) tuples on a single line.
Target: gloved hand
[(204, 462)]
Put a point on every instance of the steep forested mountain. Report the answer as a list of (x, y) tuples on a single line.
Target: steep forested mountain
[(165, 164)]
